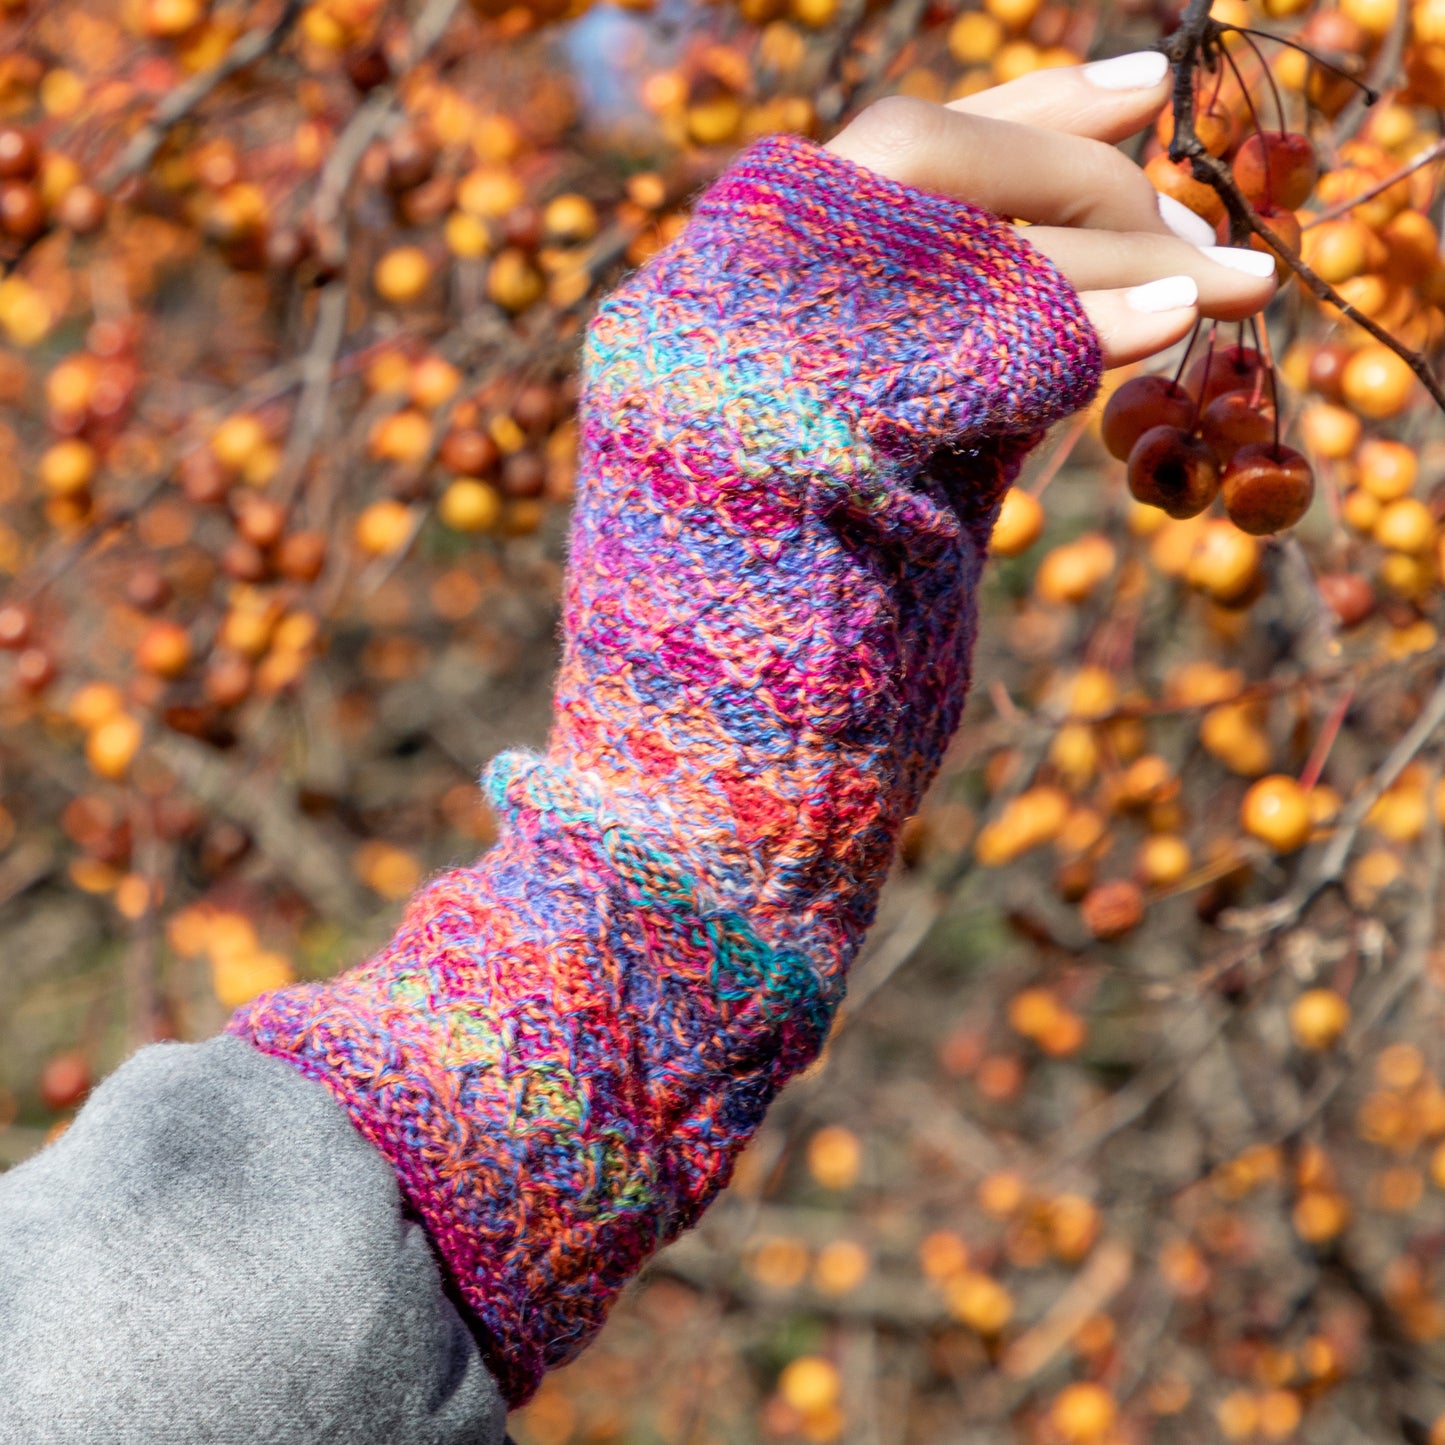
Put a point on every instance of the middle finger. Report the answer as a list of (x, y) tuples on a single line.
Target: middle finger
[(1233, 281)]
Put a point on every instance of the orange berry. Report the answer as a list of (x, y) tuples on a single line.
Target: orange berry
[(67, 468), (1387, 470), (1201, 681), (1361, 511), (1163, 859), (1176, 179), (1113, 909), (1405, 526), (1070, 573), (570, 219), (1027, 821), (468, 505), (1075, 753), (1224, 562), (237, 440), (1377, 383), (238, 977), (434, 382), (841, 1267), (1329, 431), (164, 649), (1337, 251), (1083, 1413), (835, 1157), (1064, 1036), (1014, 14), (1374, 17), (386, 869), (1276, 811), (810, 1384), (94, 703), (384, 528), (975, 37), (513, 282), (1279, 1414), (1074, 1224), (402, 275), (1320, 1215), (1090, 693), (980, 1302), (1400, 813), (467, 237), (1020, 521), (1318, 1017), (1031, 1011), (405, 436), (943, 1254), (112, 745)]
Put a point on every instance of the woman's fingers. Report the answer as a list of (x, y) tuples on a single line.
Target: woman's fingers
[(1016, 170), (1041, 149), (1140, 320), (1107, 101), (1233, 281)]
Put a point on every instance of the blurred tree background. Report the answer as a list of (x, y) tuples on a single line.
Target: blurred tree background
[(1131, 1128)]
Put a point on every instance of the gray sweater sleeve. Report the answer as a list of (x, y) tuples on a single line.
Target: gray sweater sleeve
[(212, 1253)]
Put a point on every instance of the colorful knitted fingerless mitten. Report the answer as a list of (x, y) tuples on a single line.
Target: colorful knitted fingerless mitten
[(797, 423)]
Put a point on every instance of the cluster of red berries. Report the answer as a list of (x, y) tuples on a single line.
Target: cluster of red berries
[(1213, 433), (1217, 431)]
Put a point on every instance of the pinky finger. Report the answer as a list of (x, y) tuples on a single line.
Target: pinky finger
[(1141, 320)]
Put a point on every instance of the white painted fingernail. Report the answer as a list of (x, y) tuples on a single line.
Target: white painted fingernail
[(1169, 293), (1142, 70), (1184, 223), (1242, 258)]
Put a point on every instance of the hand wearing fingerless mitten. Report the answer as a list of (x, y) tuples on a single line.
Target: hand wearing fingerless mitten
[(797, 423)]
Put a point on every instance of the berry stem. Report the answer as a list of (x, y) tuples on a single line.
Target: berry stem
[(1254, 120), (1204, 380), (1249, 40), (1319, 755), (1188, 351), (1314, 57)]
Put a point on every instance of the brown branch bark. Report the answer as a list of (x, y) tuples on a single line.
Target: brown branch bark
[(245, 51)]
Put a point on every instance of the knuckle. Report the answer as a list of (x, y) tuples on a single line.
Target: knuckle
[(898, 127)]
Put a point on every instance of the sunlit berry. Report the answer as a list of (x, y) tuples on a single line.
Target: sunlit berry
[(1318, 1017), (1276, 811)]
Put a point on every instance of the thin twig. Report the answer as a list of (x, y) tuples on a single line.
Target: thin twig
[(245, 51), (1197, 37), (1430, 153)]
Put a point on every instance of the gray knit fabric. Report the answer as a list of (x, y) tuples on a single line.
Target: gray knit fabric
[(212, 1253)]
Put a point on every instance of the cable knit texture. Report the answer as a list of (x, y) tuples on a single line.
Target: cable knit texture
[(797, 422)]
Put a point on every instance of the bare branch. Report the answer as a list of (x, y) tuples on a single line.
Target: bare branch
[(245, 51)]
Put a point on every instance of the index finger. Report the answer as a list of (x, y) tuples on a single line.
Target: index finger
[(1107, 100), (1023, 171)]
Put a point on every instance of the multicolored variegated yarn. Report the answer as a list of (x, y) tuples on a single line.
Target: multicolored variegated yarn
[(797, 422)]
